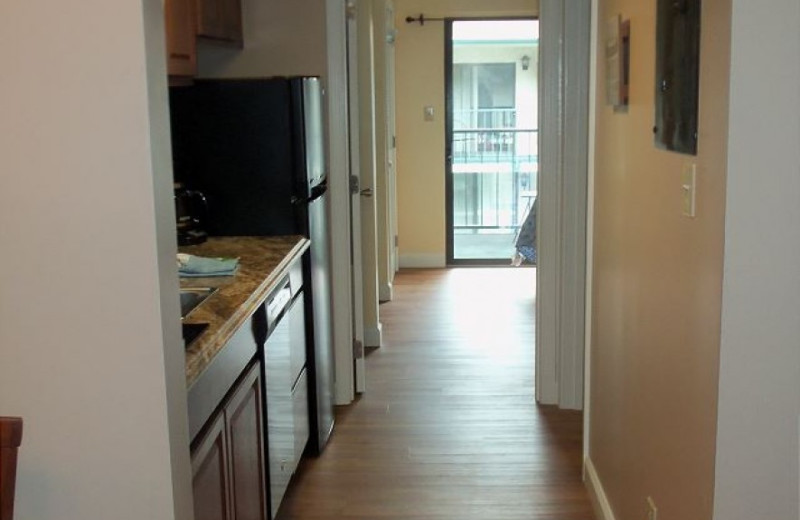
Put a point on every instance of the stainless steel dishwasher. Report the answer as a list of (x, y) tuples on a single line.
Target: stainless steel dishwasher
[(286, 386)]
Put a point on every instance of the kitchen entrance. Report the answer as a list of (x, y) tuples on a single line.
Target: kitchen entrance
[(492, 138)]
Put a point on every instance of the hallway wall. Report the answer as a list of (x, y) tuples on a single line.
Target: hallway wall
[(91, 355), (420, 144), (656, 294)]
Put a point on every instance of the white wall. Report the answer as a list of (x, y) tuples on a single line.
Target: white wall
[(759, 388), (87, 272)]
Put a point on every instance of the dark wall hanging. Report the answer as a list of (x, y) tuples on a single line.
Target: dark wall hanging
[(677, 75)]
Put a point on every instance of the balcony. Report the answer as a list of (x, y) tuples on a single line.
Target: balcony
[(494, 185)]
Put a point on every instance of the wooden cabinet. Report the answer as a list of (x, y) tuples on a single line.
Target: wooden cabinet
[(210, 474), (228, 461), (244, 420), (179, 20), (220, 20)]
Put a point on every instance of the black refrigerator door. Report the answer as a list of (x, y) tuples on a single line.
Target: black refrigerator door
[(320, 355), (233, 141), (309, 136)]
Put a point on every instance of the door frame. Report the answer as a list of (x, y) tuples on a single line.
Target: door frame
[(339, 186), (353, 42), (564, 43), (448, 141)]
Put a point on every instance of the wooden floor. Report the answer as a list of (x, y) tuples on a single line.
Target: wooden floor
[(448, 427)]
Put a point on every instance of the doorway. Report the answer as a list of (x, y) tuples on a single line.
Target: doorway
[(491, 76)]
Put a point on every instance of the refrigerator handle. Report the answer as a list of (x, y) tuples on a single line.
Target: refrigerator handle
[(316, 192)]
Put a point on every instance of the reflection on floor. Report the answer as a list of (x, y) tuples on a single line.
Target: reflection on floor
[(484, 246), (448, 428)]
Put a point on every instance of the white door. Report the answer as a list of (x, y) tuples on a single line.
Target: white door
[(391, 142), (355, 198)]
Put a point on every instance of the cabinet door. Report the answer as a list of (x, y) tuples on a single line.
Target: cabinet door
[(220, 20), (246, 448), (181, 45), (210, 475)]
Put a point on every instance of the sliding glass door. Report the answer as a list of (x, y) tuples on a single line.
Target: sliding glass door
[(492, 140)]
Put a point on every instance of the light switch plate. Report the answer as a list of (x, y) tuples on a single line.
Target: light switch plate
[(428, 113), (688, 185)]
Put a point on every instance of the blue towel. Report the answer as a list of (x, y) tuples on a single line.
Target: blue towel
[(197, 266)]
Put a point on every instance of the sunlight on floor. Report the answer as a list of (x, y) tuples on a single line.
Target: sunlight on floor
[(488, 306)]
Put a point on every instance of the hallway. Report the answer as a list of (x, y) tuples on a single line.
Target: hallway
[(448, 428)]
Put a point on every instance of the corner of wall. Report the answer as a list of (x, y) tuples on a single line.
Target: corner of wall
[(597, 494)]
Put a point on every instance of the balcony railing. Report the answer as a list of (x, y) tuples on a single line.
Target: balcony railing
[(494, 178)]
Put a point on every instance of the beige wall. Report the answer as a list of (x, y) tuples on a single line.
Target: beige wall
[(90, 349), (656, 294), (420, 145)]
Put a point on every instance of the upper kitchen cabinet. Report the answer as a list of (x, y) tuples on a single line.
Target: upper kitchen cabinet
[(181, 42), (220, 20)]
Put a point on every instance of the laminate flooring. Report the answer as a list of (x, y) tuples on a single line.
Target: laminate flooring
[(448, 427)]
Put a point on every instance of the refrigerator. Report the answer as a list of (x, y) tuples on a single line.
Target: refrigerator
[(255, 149)]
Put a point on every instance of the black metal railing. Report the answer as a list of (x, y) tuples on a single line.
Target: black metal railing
[(494, 177)]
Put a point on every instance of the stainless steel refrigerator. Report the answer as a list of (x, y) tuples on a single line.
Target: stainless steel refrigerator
[(255, 148)]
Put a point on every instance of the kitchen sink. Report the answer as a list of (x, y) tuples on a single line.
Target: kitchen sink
[(192, 297)]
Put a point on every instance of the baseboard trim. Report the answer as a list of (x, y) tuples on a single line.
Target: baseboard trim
[(373, 335), (602, 507), (422, 261), (385, 292)]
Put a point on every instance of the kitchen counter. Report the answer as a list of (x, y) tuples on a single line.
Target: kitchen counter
[(263, 262)]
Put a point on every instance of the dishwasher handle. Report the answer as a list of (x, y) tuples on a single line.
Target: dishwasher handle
[(278, 303)]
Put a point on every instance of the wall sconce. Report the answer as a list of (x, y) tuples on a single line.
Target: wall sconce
[(526, 62)]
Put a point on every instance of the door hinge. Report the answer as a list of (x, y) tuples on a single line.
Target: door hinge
[(396, 241), (355, 185), (352, 10), (358, 349)]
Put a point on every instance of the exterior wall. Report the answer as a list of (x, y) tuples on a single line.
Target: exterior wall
[(527, 85), (420, 145), (657, 284), (90, 348)]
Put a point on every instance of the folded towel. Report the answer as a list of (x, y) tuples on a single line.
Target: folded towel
[(198, 266)]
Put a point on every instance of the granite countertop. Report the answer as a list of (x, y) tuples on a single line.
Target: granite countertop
[(263, 261)]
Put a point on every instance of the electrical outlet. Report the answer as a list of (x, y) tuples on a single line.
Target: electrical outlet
[(688, 183), (652, 511)]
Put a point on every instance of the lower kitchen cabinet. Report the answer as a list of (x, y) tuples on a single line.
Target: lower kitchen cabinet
[(228, 461), (210, 474)]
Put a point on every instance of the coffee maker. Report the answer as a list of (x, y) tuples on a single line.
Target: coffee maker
[(191, 211)]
